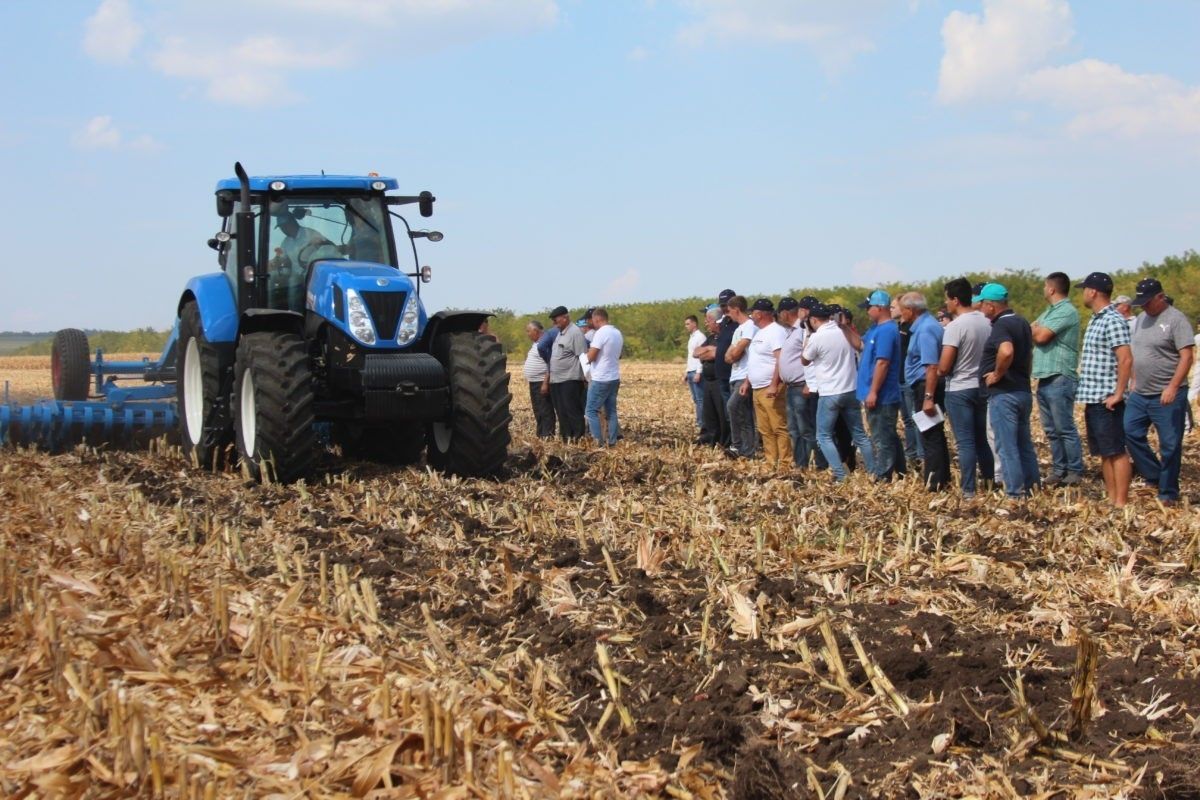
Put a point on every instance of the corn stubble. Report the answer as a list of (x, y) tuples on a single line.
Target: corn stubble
[(650, 620)]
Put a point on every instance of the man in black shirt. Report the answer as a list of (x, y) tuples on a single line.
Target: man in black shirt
[(725, 329), (714, 428), (1004, 375)]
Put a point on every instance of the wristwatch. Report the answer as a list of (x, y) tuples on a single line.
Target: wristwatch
[(928, 396)]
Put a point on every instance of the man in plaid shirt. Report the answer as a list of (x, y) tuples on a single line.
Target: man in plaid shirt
[(1104, 371)]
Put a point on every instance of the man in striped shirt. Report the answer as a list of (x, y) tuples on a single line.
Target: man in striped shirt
[(1104, 370), (537, 369)]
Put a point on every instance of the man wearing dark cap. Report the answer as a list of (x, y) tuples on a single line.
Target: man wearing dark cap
[(714, 429), (1163, 350), (568, 391), (829, 359), (767, 388), (742, 431), (792, 316), (1104, 369), (725, 328)]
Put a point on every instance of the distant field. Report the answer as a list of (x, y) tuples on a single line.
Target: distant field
[(10, 343)]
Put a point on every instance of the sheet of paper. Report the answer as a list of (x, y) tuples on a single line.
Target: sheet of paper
[(925, 421), (587, 365)]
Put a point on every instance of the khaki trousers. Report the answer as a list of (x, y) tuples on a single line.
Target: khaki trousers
[(771, 415)]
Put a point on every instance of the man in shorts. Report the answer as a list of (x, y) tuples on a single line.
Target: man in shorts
[(1104, 369)]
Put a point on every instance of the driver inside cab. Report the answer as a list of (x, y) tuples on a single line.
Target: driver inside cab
[(287, 268)]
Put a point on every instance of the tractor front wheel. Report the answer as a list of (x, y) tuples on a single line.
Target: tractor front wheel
[(474, 438), (201, 388), (273, 406), (70, 365)]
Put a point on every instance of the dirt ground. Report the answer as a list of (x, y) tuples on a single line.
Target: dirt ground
[(648, 620)]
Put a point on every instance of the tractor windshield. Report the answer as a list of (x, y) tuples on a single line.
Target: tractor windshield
[(308, 229)]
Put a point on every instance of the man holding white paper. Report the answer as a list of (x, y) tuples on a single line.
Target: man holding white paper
[(928, 390)]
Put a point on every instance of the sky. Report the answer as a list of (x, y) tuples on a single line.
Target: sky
[(601, 151)]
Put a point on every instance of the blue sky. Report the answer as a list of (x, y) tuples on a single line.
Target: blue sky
[(586, 151)]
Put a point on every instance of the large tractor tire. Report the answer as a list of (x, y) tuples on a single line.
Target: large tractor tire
[(70, 365), (202, 389), (273, 406), (399, 444), (474, 438)]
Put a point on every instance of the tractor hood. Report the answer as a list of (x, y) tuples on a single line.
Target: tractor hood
[(344, 292)]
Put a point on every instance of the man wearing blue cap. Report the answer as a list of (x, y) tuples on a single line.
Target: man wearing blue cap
[(1004, 373), (878, 384)]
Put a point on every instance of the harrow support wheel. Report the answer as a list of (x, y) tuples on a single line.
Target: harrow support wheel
[(70, 365), (202, 390), (474, 438), (273, 406)]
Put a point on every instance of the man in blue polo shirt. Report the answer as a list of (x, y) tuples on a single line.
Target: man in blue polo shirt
[(928, 390), (878, 385)]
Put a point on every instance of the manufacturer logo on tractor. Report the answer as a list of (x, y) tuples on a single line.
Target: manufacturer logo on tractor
[(381, 281)]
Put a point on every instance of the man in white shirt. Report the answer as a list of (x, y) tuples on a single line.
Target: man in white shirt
[(537, 370), (801, 423), (833, 369), (692, 376), (604, 353), (740, 410), (769, 392)]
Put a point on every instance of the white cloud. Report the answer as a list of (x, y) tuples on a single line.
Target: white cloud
[(836, 32), (638, 54), (98, 134), (101, 133), (874, 272), (1005, 53), (264, 59), (111, 34), (621, 286)]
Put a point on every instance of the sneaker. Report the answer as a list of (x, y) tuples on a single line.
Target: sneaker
[(1073, 479)]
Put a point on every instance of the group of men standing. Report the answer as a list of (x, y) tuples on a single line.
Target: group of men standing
[(574, 375), (798, 379)]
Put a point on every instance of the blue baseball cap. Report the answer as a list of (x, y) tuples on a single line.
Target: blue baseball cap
[(877, 298), (992, 292)]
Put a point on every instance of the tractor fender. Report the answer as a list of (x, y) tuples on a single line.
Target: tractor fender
[(218, 309), (260, 320), (452, 322)]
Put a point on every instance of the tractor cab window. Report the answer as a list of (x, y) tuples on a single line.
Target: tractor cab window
[(307, 230)]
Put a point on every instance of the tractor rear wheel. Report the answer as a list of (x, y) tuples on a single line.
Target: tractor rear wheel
[(474, 438), (201, 388), (70, 365), (273, 406), (400, 444)]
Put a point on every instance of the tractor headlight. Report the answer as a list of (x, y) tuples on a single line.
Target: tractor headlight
[(360, 321), (409, 320)]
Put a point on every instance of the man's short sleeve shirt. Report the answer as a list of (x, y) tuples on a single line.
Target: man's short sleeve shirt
[(724, 339), (740, 367), (694, 341), (766, 343), (881, 341), (1060, 355), (1105, 332), (1156, 345), (924, 347), (607, 366), (1008, 327)]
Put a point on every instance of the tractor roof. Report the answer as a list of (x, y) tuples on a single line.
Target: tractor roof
[(261, 183)]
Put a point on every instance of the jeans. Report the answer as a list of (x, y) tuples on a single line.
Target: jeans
[(602, 395), (831, 408), (568, 399), (913, 449), (889, 453), (1056, 407), (543, 410), (1160, 469), (1009, 412), (967, 410), (697, 390), (800, 428), (935, 469), (715, 428), (742, 430)]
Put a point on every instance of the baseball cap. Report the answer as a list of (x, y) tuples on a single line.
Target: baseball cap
[(1100, 281), (809, 302), (788, 304), (559, 311), (993, 292), (1122, 298), (763, 304), (876, 298), (1147, 290), (821, 311), (725, 296)]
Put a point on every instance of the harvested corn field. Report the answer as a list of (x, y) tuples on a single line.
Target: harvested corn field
[(648, 620)]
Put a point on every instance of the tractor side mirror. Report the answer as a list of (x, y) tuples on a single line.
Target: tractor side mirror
[(425, 204), (224, 204)]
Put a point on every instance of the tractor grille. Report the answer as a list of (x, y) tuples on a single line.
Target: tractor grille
[(385, 309)]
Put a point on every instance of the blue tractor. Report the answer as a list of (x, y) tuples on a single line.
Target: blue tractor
[(310, 323)]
